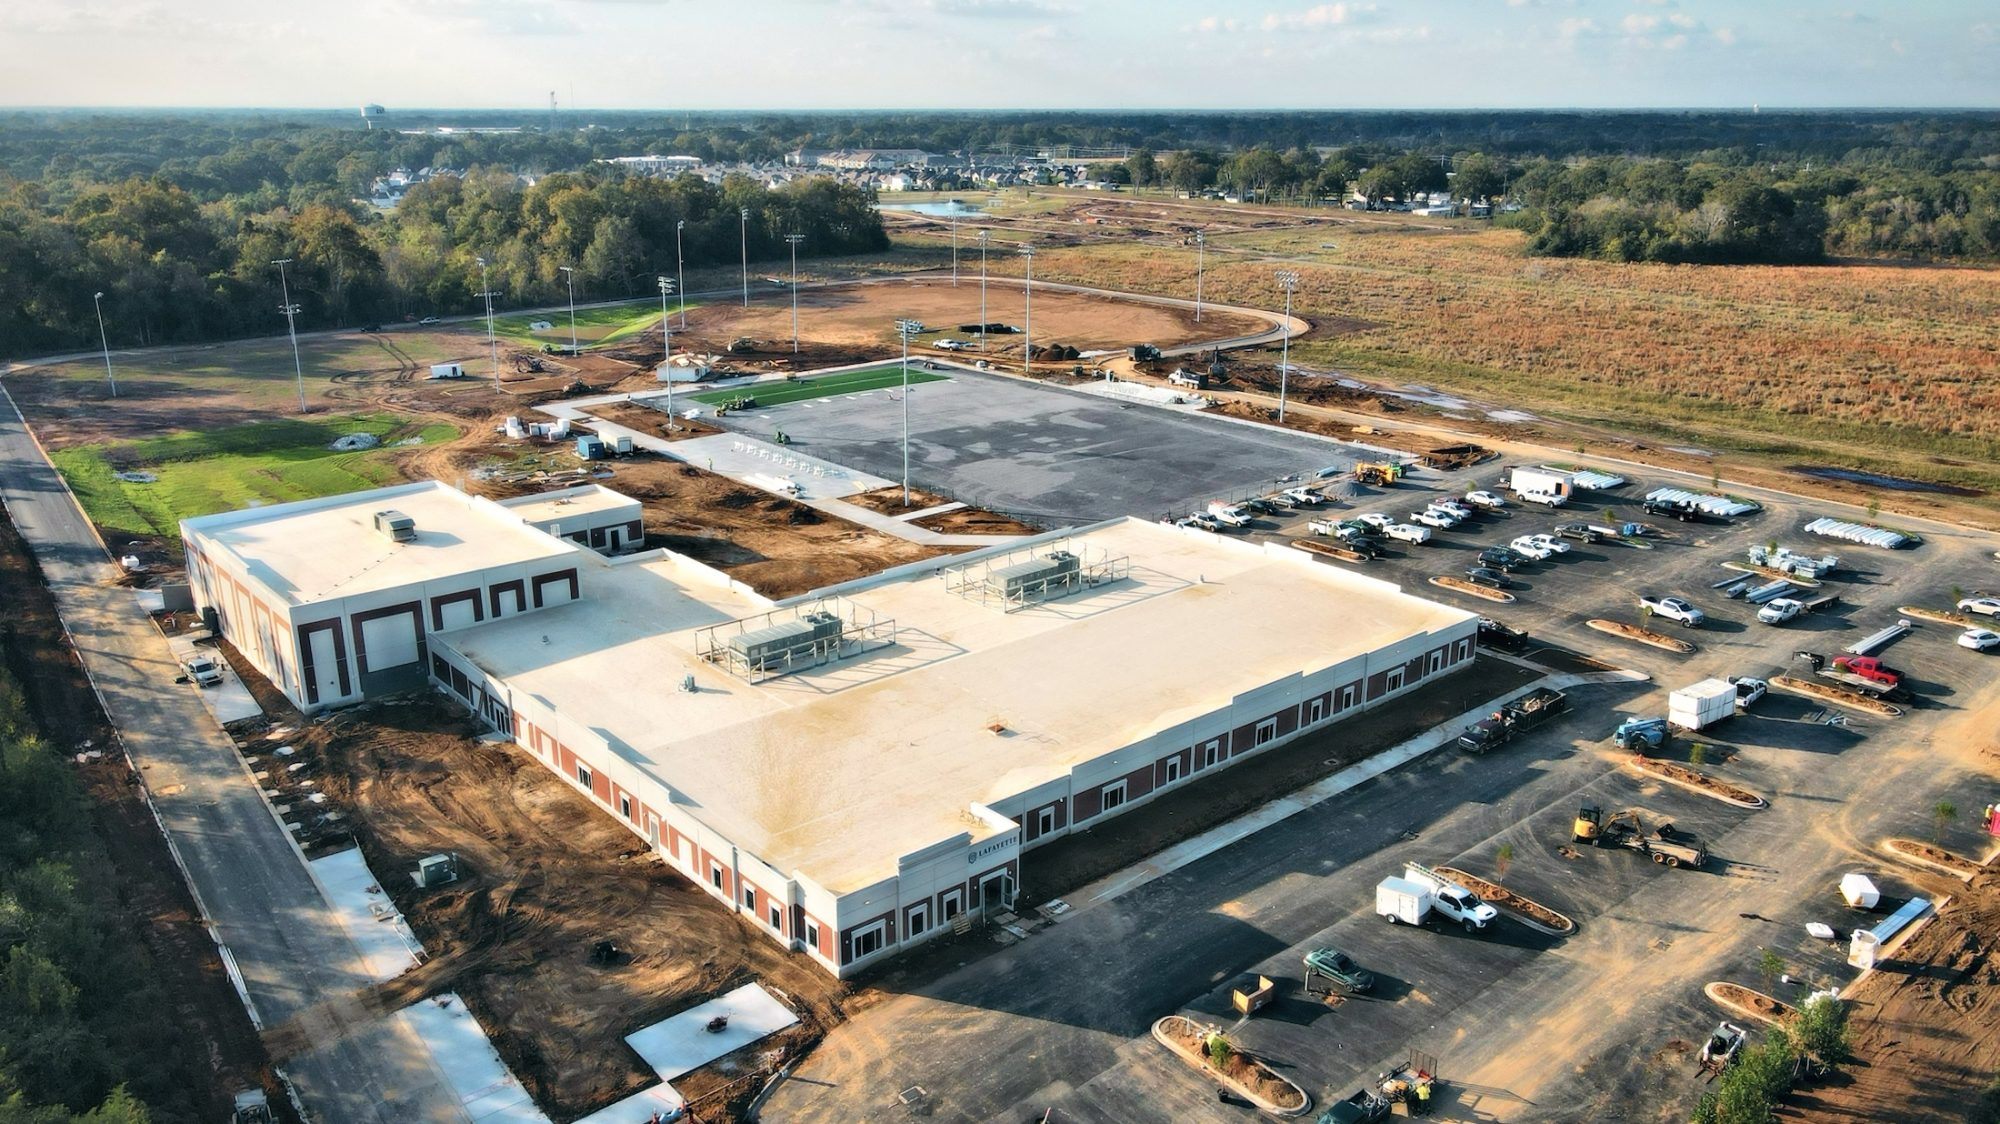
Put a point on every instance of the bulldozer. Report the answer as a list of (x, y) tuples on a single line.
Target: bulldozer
[(1378, 474), (742, 345)]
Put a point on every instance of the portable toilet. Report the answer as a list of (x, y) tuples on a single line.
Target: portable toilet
[(589, 446), (1862, 949)]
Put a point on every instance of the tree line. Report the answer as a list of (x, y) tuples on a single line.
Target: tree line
[(177, 263)]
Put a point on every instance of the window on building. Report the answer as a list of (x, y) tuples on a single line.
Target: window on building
[(1114, 795), (1394, 681), (750, 898), (1173, 768), (952, 904), (812, 934), (625, 805), (868, 942), (715, 874), (920, 919), (1045, 821), (778, 917), (1464, 649), (583, 774), (1211, 752), (1315, 711), (1267, 730), (1437, 663), (1347, 694)]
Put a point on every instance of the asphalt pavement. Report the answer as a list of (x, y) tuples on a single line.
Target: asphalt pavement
[(250, 880)]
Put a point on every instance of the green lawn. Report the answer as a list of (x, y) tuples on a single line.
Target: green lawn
[(594, 326), (201, 473), (846, 382)]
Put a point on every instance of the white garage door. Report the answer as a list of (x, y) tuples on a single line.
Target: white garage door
[(390, 641), (457, 614), (555, 593)]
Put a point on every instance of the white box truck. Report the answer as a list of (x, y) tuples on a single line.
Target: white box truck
[(1543, 485), (1401, 900), (1702, 705)]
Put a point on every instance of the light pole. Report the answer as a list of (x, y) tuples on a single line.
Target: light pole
[(985, 236), (1289, 278), (908, 330), (745, 213), (681, 269), (795, 239), (492, 341), (569, 275), (954, 251), (667, 331), (1028, 316), (291, 310), (1200, 260), (105, 341)]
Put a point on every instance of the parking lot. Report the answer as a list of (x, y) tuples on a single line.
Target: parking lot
[(1526, 1026), (1043, 453)]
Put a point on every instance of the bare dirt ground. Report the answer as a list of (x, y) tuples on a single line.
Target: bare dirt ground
[(654, 422), (545, 875), (856, 319), (777, 546), (215, 1048), (958, 521)]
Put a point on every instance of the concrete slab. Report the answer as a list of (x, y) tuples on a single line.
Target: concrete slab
[(490, 1094), (229, 701), (661, 1102), (741, 456), (683, 1043), (383, 940)]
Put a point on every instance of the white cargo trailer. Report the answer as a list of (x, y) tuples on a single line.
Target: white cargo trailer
[(1400, 899), (1702, 705), (1542, 482), (447, 371)]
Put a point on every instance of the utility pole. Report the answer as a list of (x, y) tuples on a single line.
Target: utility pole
[(291, 310), (1028, 317), (954, 251), (908, 330), (569, 273), (795, 239), (745, 212), (667, 331), (681, 269), (1289, 278), (1200, 260), (105, 342), (985, 236), (492, 341)]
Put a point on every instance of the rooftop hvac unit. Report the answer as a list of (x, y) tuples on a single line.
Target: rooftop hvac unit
[(396, 525), (778, 644), (1037, 575)]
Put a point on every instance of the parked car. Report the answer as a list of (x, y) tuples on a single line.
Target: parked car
[(1582, 532), (1485, 499), (1748, 691), (1674, 609), (1457, 507), (1259, 506), (371, 327), (1979, 639), (1502, 558), (952, 345), (1201, 521), (1480, 575), (1307, 497), (1409, 533), (1528, 546), (202, 669), (1555, 545), (1983, 606), (429, 320), (1376, 520), (1442, 520)]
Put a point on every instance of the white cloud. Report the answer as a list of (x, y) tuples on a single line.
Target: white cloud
[(1317, 17), (1682, 20), (1636, 24)]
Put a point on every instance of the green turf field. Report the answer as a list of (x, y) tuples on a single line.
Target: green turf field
[(594, 326), (201, 473), (820, 386)]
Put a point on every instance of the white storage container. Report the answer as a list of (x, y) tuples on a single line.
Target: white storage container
[(1859, 890), (1702, 705)]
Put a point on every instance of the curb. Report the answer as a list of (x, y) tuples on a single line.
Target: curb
[(1306, 1099), (1759, 806), (1888, 847), (1642, 636), (1711, 991)]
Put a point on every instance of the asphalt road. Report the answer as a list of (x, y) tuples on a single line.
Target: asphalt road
[(262, 901), (1527, 1027), (1048, 454)]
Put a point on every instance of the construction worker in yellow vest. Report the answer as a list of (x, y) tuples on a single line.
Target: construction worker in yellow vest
[(1424, 1097)]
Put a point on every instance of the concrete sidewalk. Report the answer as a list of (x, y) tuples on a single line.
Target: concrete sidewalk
[(291, 956)]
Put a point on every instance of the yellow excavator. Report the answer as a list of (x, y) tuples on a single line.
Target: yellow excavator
[(1378, 474), (1666, 845)]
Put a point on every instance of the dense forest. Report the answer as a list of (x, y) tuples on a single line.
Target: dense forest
[(176, 219)]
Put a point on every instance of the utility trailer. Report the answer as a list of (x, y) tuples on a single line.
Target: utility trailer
[(1866, 674), (1513, 720), (1665, 845)]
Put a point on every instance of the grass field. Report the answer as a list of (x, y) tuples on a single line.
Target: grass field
[(821, 386), (595, 327), (201, 473)]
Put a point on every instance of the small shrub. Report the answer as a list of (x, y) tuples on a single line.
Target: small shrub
[(1219, 1051)]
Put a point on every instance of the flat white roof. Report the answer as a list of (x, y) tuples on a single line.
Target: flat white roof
[(554, 507), (314, 550), (837, 771)]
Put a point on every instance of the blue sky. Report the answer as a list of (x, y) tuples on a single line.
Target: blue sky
[(1054, 54)]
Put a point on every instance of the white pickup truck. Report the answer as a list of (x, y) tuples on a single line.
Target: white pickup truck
[(1674, 609), (1409, 533), (1228, 514), (202, 669), (1450, 900)]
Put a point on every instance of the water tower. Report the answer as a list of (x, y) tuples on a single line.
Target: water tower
[(371, 114)]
